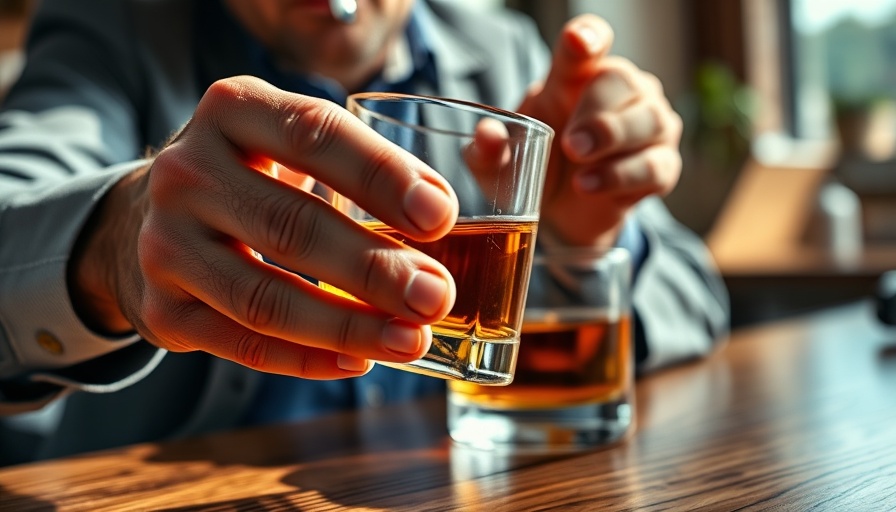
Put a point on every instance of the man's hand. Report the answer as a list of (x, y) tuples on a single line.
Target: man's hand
[(617, 136), (171, 250)]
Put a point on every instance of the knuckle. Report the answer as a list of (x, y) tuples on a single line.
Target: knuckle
[(347, 332), (166, 172), (165, 327), (153, 253), (220, 95), (162, 325), (624, 68), (654, 84), (223, 89), (675, 126), (611, 131), (164, 254), (216, 93), (311, 126), (161, 253), (613, 88), (622, 71), (177, 169), (223, 92), (674, 172), (305, 364), (251, 350), (654, 163), (376, 263), (661, 169), (263, 305), (154, 319), (375, 170), (658, 121), (293, 228)]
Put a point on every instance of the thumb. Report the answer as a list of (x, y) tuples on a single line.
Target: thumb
[(582, 43)]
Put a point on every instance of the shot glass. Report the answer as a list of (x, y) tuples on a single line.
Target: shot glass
[(573, 387), (489, 251)]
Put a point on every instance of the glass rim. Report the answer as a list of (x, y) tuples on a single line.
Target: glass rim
[(470, 106)]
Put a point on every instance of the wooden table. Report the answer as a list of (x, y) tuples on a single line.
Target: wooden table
[(799, 415)]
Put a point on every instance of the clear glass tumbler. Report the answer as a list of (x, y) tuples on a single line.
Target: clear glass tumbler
[(489, 251), (574, 379)]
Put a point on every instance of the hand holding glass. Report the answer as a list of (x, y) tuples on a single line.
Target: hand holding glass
[(496, 162)]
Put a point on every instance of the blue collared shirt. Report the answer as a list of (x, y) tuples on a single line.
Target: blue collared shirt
[(417, 66)]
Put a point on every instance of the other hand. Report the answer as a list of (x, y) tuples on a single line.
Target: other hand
[(617, 136)]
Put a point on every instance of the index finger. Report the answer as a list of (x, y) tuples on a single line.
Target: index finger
[(328, 143), (582, 43)]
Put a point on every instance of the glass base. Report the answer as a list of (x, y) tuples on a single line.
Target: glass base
[(487, 362), (539, 430)]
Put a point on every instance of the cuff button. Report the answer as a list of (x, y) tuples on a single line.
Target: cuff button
[(49, 343)]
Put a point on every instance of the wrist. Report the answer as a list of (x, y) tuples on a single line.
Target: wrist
[(107, 240)]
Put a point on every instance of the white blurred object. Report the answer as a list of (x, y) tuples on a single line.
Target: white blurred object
[(777, 149), (11, 64), (345, 11), (840, 214), (880, 141), (482, 5)]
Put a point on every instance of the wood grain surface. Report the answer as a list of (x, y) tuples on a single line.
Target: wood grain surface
[(799, 415)]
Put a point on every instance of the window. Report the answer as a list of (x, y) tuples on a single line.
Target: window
[(843, 63)]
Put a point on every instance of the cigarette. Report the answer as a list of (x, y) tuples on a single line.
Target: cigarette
[(344, 10)]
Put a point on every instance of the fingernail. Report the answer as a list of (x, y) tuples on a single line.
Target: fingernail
[(426, 293), (427, 205), (590, 37), (581, 143), (401, 337), (351, 364), (588, 182)]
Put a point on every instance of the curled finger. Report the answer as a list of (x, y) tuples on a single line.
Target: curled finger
[(199, 327), (654, 170), (257, 120), (621, 110), (279, 304), (488, 152)]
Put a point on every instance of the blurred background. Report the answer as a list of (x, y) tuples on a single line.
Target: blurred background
[(790, 133)]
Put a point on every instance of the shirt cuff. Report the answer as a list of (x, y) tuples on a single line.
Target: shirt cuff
[(631, 237), (105, 374), (39, 329)]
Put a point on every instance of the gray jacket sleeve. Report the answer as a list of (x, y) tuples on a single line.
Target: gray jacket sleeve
[(679, 300), (62, 126)]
